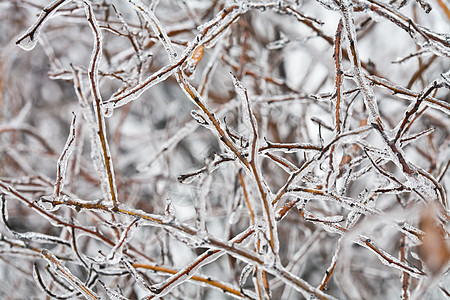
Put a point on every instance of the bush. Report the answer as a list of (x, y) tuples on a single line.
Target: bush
[(217, 149)]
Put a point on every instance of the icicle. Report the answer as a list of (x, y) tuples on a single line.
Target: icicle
[(108, 112), (244, 275), (234, 217)]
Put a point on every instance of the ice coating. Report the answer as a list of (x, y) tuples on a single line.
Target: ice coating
[(248, 116), (199, 118), (278, 44), (346, 202), (135, 92), (369, 96), (215, 27), (289, 145), (29, 40), (94, 141), (389, 260), (169, 210), (204, 187), (157, 27), (32, 236), (436, 42), (169, 144), (63, 160), (331, 5), (187, 272), (138, 277), (116, 253), (193, 61), (108, 112), (113, 295), (97, 103), (244, 274), (65, 273)]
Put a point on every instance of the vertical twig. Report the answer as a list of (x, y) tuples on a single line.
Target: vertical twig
[(95, 91)]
